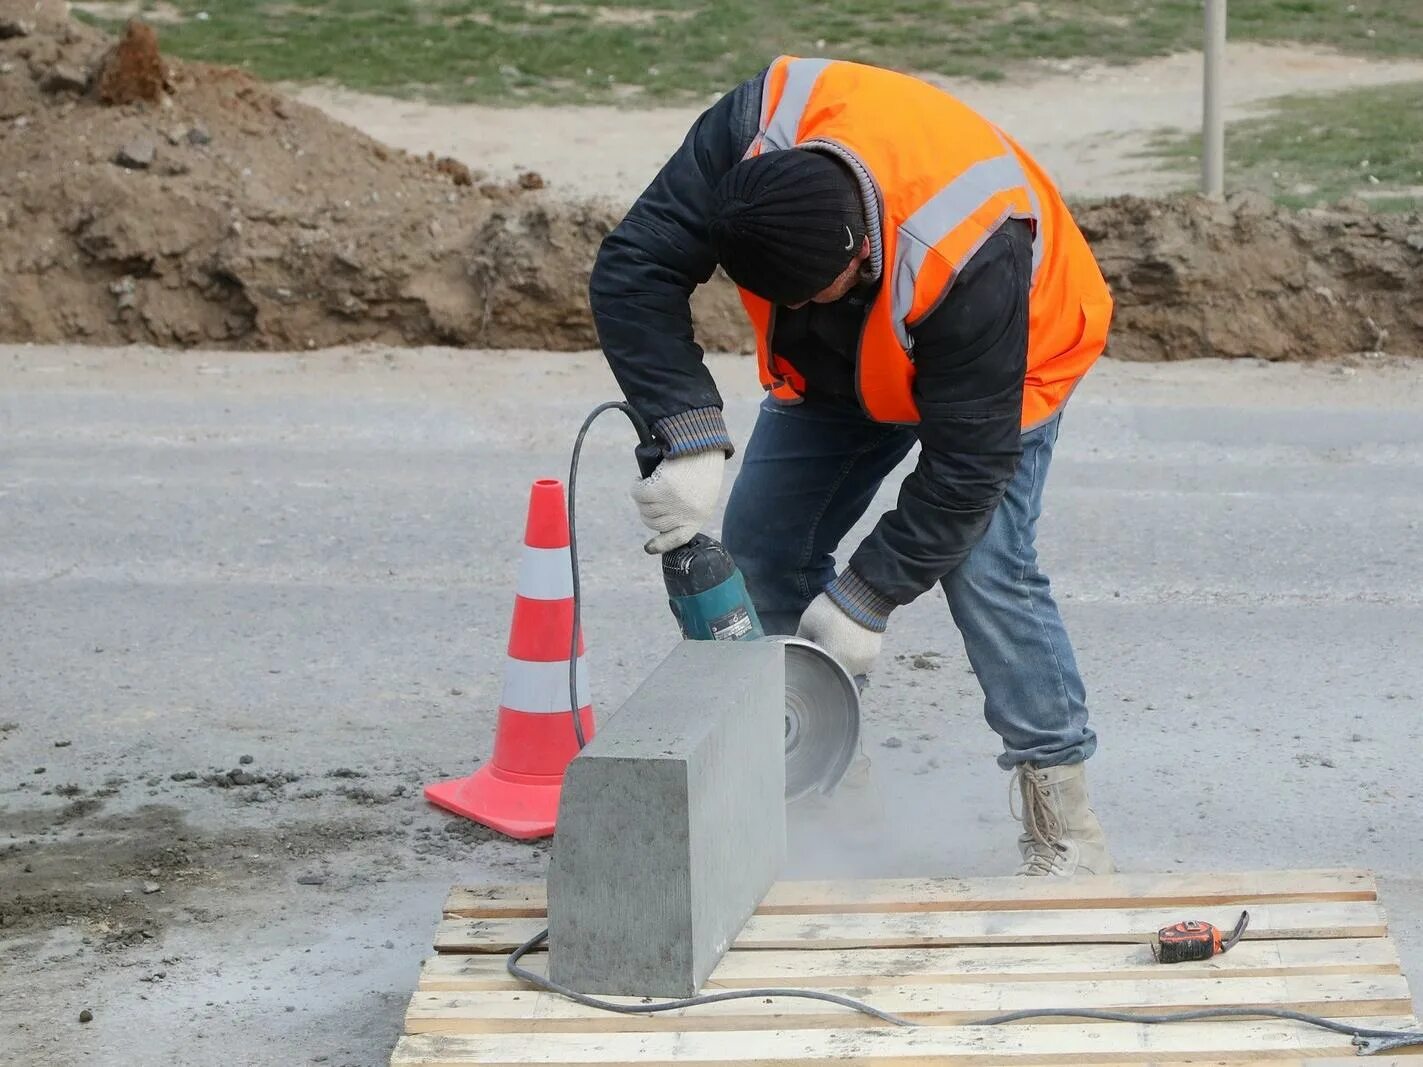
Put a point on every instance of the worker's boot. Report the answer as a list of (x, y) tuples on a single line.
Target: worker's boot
[(1061, 835)]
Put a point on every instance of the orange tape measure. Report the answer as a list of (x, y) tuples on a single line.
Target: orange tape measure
[(1193, 940)]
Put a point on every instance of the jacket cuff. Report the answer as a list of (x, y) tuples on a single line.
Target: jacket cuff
[(698, 430), (861, 601)]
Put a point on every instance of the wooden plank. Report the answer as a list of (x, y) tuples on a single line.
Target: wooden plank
[(930, 1046), (531, 1012), (986, 894), (470, 972), (1353, 919)]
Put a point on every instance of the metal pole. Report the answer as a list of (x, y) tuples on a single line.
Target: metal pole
[(1213, 128)]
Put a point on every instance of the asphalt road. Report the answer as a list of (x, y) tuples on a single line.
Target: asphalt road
[(309, 560)]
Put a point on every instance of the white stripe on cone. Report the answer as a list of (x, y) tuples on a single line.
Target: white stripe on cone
[(545, 574), (541, 688)]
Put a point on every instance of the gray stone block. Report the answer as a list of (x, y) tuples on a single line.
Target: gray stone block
[(671, 826)]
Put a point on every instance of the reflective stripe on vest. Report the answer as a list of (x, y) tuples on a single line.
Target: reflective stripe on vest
[(780, 129), (932, 225), (1037, 210), (946, 180)]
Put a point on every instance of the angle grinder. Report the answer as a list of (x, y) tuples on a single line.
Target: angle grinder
[(709, 600)]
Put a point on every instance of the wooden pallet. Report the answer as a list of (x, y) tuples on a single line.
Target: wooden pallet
[(945, 953)]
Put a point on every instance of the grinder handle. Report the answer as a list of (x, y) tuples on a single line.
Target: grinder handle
[(649, 455), (648, 451)]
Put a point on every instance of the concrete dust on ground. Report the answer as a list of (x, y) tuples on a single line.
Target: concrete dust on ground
[(1089, 123), (257, 600)]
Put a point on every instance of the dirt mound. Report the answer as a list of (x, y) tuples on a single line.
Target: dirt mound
[(224, 215), (1246, 278), (227, 215), (530, 269), (1191, 278)]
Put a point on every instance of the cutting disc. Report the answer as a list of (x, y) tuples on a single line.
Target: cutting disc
[(822, 719)]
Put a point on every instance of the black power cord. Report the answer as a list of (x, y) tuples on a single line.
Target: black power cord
[(1368, 1041), (644, 435)]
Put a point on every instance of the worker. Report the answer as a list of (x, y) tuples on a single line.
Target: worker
[(911, 276)]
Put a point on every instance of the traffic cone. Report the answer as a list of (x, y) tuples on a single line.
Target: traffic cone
[(516, 792)]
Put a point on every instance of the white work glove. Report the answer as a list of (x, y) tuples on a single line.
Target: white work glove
[(854, 647), (677, 498)]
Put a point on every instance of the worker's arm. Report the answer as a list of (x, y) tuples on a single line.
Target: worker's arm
[(647, 268), (970, 359)]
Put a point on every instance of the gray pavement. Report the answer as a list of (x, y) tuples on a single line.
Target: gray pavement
[(309, 560)]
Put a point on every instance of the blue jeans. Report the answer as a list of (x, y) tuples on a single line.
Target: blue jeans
[(809, 473)]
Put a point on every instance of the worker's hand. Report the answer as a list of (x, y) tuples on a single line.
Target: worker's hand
[(677, 498), (854, 647)]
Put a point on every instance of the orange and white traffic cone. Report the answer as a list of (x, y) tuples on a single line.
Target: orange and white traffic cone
[(516, 792)]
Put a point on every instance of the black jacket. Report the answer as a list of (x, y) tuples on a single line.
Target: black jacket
[(970, 355)]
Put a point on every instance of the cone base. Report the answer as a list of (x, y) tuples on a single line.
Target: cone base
[(521, 807)]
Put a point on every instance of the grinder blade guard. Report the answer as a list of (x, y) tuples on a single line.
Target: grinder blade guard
[(708, 598)]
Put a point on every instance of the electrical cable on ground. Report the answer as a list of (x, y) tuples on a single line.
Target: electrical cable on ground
[(1367, 1040), (1363, 1036), (689, 1002)]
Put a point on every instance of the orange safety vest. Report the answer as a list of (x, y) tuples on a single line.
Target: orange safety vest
[(947, 178)]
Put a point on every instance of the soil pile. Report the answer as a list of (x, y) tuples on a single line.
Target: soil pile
[(182, 204), (175, 203), (1191, 278), (1248, 279)]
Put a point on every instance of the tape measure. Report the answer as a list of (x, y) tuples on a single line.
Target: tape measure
[(1193, 940)]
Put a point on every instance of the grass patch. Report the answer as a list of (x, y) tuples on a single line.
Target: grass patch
[(1361, 142), (510, 51)]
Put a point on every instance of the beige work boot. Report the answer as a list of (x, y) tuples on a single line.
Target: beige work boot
[(1061, 835)]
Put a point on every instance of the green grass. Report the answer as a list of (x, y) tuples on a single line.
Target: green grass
[(1312, 149), (510, 51)]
